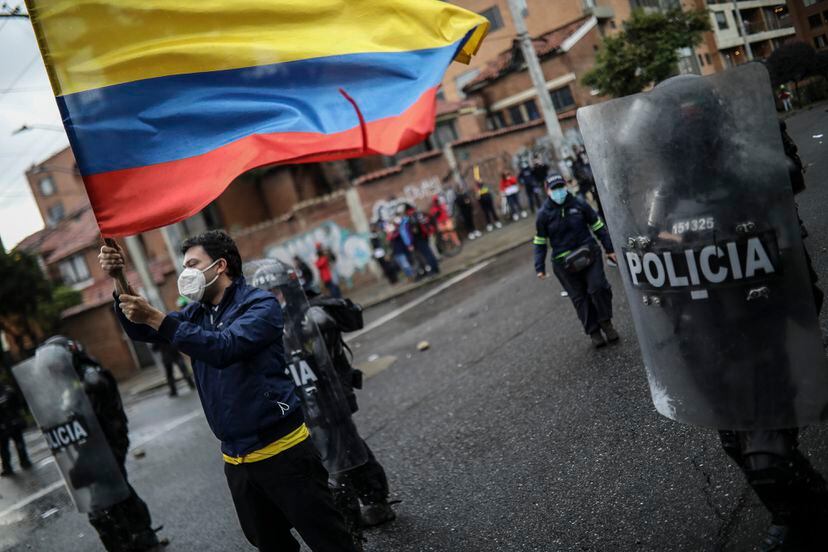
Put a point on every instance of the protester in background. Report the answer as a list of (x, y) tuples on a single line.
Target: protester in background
[(324, 264), (12, 424), (530, 186), (484, 195), (509, 187), (540, 170), (785, 97), (304, 271), (465, 206), (169, 357), (379, 246), (414, 231), (442, 220), (398, 249)]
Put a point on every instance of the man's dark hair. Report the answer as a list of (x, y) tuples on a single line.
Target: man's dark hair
[(218, 245)]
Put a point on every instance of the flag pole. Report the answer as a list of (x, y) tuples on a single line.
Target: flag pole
[(119, 275)]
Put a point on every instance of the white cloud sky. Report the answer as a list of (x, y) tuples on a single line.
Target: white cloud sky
[(30, 101)]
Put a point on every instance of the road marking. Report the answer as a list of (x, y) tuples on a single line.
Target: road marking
[(142, 440), (393, 314)]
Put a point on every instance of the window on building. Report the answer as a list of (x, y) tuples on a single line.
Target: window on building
[(494, 17), (815, 21), (531, 108), (516, 115), (496, 120), (721, 20), (820, 41), (708, 59), (74, 270), (47, 187), (445, 133), (462, 80), (701, 60), (562, 98), (55, 213)]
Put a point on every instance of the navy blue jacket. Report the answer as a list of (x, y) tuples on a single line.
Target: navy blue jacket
[(239, 364), (565, 228)]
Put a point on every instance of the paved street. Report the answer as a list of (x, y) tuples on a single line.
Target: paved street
[(508, 434)]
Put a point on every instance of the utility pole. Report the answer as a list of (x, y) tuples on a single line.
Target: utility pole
[(550, 116), (748, 49)]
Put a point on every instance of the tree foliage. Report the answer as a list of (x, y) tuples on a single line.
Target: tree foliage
[(30, 306), (792, 62), (646, 51)]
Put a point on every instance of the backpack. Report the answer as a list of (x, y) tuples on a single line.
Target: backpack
[(346, 313)]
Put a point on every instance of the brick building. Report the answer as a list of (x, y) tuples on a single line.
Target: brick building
[(810, 18)]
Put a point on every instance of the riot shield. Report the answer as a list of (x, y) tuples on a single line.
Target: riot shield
[(327, 411), (694, 182), (62, 411)]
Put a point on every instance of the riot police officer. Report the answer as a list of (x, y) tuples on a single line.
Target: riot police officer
[(566, 223), (126, 526), (326, 381), (11, 428), (693, 175)]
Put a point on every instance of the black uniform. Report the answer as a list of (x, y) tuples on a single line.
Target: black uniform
[(790, 488), (169, 357), (566, 228), (126, 526), (367, 483), (11, 428)]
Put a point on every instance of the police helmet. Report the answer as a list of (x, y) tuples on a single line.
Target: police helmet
[(555, 180), (274, 273), (62, 341)]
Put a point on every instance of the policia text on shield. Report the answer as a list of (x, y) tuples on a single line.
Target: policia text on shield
[(233, 334)]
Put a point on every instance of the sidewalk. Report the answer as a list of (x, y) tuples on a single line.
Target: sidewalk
[(491, 244)]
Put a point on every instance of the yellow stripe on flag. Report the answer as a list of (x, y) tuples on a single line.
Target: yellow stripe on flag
[(90, 44)]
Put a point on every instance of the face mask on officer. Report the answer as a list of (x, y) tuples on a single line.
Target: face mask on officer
[(192, 282), (558, 195)]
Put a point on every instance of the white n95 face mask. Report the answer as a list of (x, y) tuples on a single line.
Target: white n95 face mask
[(192, 282)]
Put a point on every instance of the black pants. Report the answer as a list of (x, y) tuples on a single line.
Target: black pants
[(589, 291), (782, 477), (487, 204), (288, 491), (126, 526), (367, 484), (467, 215), (182, 367), (533, 199), (16, 435)]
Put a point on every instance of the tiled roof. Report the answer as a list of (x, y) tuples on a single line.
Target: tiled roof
[(74, 233), (545, 44)]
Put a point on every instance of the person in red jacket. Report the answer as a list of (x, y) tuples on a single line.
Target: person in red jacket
[(445, 224), (324, 260), (509, 187)]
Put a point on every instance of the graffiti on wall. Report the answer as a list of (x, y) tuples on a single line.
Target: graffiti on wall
[(385, 209), (352, 250)]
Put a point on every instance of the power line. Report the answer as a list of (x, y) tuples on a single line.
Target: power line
[(20, 76)]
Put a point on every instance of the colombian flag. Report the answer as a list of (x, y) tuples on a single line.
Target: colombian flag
[(166, 101)]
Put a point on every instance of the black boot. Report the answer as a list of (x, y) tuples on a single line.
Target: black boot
[(609, 331), (597, 339), (377, 514)]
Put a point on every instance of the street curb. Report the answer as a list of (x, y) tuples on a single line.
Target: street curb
[(445, 275)]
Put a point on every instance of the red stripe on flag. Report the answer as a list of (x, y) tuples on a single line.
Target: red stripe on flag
[(131, 201)]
